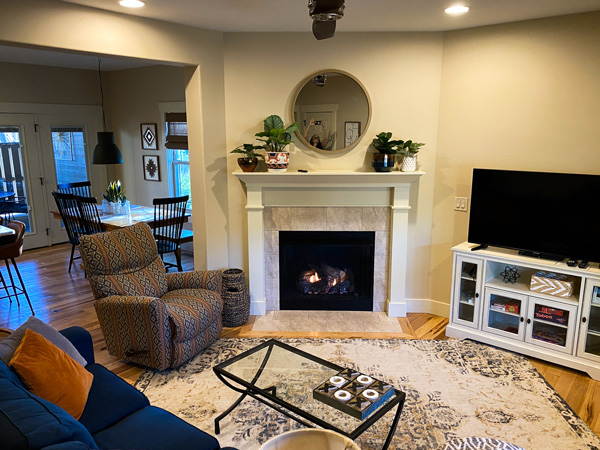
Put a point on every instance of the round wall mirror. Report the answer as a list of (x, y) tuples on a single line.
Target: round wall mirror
[(333, 110)]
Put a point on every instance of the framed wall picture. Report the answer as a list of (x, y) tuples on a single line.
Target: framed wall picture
[(148, 134), (151, 168), (351, 132)]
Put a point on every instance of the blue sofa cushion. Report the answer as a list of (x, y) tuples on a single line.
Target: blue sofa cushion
[(30, 422), (71, 445), (7, 374), (110, 399), (154, 428)]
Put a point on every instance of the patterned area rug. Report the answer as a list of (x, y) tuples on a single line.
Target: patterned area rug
[(455, 389)]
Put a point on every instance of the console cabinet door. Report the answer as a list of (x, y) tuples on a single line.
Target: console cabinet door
[(551, 324), (589, 331), (504, 313), (467, 291)]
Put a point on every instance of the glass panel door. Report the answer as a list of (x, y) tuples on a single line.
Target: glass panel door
[(504, 313), (467, 288), (21, 189), (589, 338), (69, 145), (551, 324)]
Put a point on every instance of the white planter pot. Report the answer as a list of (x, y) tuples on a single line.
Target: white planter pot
[(409, 164), (116, 208)]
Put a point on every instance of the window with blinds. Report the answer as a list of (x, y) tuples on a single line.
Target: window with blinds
[(177, 144)]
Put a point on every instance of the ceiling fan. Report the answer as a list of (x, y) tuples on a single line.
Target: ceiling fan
[(324, 14)]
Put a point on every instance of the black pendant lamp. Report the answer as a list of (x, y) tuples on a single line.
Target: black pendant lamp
[(106, 152)]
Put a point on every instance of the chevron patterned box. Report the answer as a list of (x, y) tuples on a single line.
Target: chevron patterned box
[(552, 283)]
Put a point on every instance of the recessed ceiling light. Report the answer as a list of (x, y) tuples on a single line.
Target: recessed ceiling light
[(457, 10), (131, 3)]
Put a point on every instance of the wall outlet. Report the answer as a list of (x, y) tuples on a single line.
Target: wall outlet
[(461, 203)]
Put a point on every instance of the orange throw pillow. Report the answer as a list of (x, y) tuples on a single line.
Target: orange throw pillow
[(50, 373)]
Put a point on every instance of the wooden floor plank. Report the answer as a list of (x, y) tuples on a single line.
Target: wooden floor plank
[(62, 300)]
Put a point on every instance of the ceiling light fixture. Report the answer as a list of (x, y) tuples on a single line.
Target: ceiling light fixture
[(454, 10), (106, 152), (131, 3)]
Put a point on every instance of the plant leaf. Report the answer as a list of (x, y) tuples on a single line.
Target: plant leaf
[(273, 121)]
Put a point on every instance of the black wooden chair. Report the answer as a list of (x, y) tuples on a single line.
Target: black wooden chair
[(90, 217), (71, 218), (169, 215), (81, 188)]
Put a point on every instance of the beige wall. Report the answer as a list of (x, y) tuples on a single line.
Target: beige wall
[(396, 68), (133, 98), (29, 83), (521, 96), (41, 23)]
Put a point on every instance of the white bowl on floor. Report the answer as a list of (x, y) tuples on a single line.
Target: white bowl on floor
[(309, 438)]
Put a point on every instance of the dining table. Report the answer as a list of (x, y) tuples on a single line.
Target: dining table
[(138, 213)]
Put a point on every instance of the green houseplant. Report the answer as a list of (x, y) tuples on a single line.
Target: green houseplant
[(385, 158), (249, 161), (409, 150), (115, 201), (276, 137)]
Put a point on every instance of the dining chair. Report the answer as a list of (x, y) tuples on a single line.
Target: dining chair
[(82, 188), (90, 217), (10, 251), (71, 218), (169, 215)]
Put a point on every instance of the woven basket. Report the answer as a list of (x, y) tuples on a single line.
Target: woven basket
[(236, 298)]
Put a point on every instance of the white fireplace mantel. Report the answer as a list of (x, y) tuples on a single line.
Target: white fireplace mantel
[(327, 189)]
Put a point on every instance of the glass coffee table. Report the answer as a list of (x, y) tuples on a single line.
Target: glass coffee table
[(283, 377)]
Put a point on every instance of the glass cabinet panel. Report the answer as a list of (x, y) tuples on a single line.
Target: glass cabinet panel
[(551, 324), (467, 288), (589, 340), (504, 313)]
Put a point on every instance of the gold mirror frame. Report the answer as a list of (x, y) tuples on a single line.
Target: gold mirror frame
[(363, 128)]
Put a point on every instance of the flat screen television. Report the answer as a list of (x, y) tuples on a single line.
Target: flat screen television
[(550, 215)]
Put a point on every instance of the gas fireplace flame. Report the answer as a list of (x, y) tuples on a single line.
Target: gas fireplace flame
[(312, 278), (326, 279)]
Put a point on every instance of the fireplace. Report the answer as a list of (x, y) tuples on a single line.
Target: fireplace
[(326, 270)]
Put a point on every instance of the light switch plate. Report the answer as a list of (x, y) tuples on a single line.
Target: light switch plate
[(461, 204)]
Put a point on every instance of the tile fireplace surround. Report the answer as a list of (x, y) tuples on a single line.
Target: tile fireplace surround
[(329, 201)]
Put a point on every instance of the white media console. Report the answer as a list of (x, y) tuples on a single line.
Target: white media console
[(487, 309)]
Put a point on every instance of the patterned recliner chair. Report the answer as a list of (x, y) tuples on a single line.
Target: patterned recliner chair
[(147, 316)]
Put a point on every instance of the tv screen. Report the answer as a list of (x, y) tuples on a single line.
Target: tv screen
[(553, 214)]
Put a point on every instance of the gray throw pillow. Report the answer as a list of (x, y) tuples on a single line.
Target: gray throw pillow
[(8, 346)]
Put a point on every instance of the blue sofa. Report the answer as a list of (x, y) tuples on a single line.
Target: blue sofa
[(116, 415)]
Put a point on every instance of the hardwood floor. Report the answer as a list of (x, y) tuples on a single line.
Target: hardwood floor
[(62, 300)]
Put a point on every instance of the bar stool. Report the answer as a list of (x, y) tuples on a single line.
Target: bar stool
[(10, 251)]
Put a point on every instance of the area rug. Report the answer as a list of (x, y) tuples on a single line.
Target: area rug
[(454, 389)]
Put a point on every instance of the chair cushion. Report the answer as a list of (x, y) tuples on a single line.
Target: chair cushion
[(191, 311), (10, 344), (153, 427), (30, 422), (110, 399), (50, 373), (123, 262)]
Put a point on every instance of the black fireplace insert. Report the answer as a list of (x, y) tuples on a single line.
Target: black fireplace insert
[(326, 270)]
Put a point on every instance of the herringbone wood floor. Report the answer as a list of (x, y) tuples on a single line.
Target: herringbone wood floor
[(62, 300)]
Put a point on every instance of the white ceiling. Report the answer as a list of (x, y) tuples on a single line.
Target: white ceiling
[(292, 15), (360, 15)]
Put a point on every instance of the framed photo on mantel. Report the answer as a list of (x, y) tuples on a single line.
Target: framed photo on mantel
[(148, 134)]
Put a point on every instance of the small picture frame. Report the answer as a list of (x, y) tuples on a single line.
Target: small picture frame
[(148, 135), (351, 132), (151, 168)]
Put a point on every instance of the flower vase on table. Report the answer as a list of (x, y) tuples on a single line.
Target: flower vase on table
[(114, 201)]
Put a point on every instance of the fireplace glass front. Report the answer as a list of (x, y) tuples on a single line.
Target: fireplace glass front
[(326, 270)]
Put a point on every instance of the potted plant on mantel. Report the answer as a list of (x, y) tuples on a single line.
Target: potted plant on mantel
[(409, 150), (249, 161), (384, 160), (276, 138)]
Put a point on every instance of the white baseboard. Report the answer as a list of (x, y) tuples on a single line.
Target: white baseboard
[(258, 308), (425, 305)]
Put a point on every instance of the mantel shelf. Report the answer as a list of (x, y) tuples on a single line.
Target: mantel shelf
[(328, 178)]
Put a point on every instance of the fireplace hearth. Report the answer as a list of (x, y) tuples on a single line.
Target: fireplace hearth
[(326, 270)]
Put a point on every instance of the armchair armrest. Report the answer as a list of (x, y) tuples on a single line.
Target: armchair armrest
[(82, 341), (136, 328), (206, 279)]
